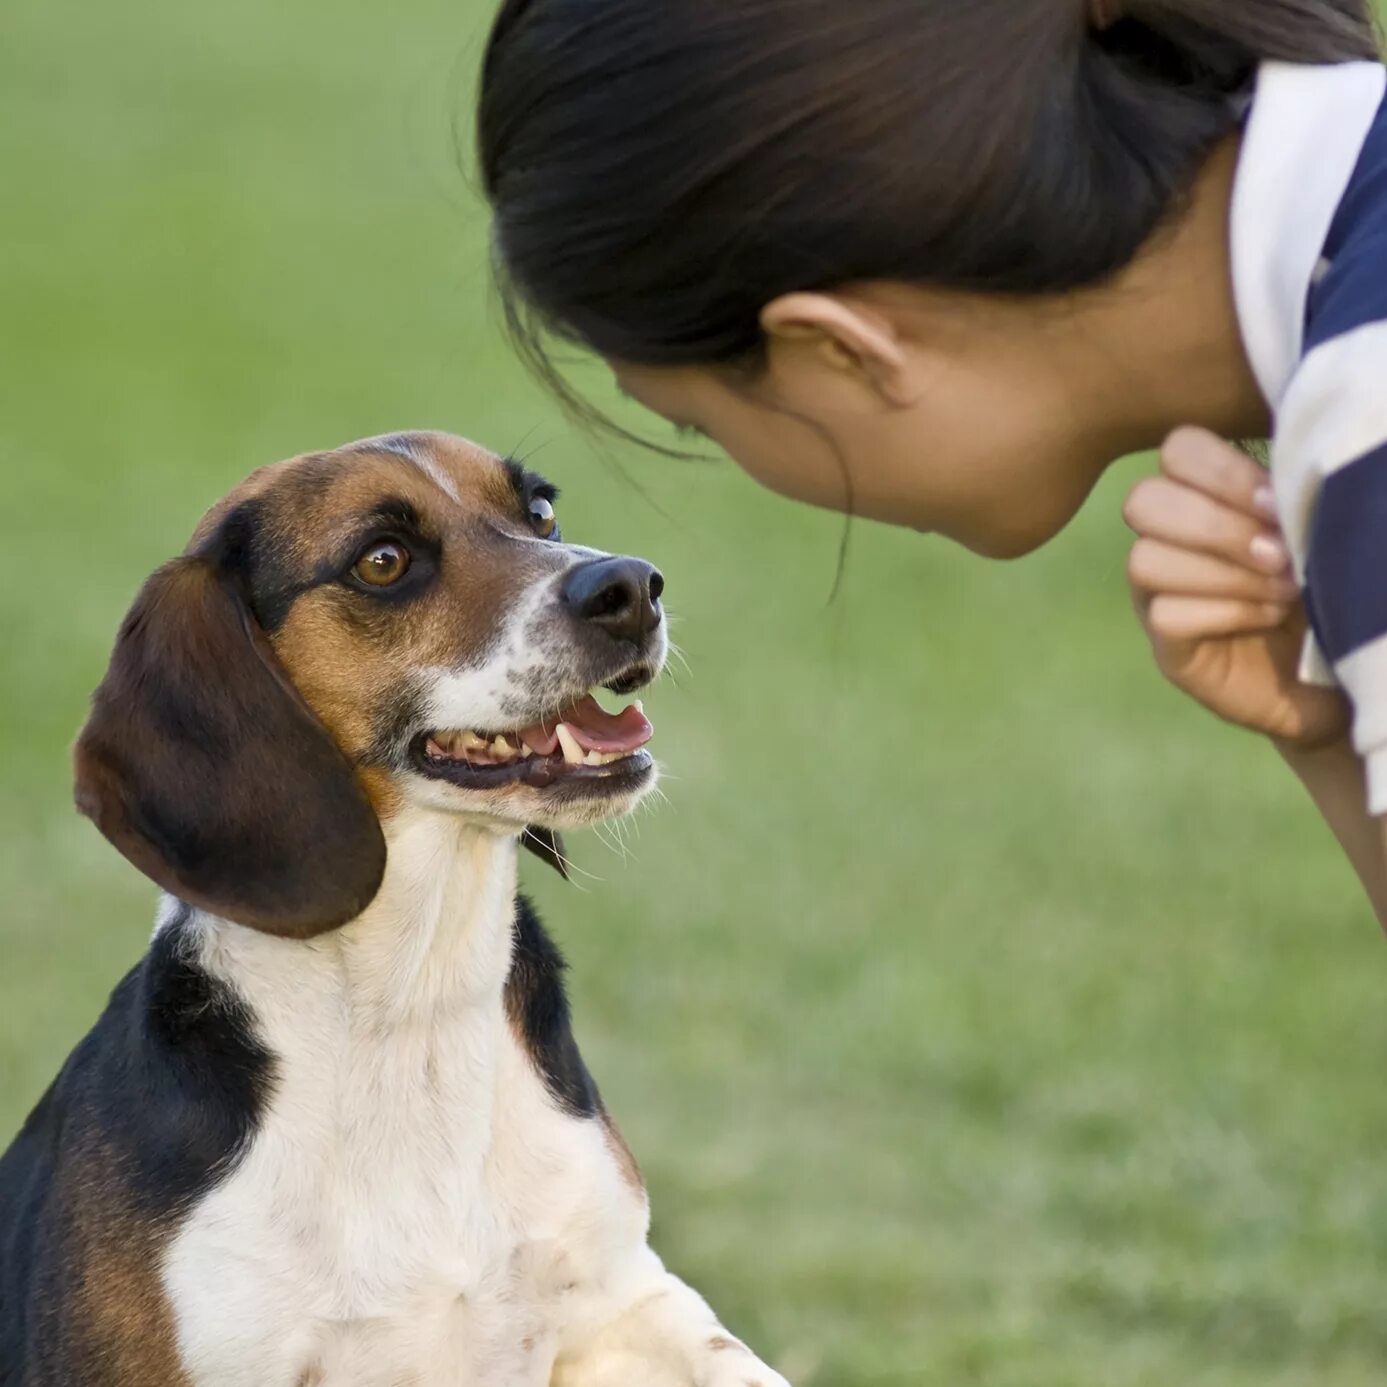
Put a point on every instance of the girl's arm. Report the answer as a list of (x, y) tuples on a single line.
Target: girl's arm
[(1334, 777), (1213, 587)]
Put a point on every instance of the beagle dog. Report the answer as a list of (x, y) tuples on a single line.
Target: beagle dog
[(333, 1129)]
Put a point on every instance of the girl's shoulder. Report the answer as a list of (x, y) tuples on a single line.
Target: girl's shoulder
[(1349, 286), (1310, 270), (1310, 188)]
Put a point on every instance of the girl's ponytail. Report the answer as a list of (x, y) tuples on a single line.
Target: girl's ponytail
[(1162, 81), (1291, 31), (660, 171)]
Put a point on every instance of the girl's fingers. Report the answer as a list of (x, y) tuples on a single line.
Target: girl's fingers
[(1203, 618), (1162, 509), (1156, 567), (1202, 460)]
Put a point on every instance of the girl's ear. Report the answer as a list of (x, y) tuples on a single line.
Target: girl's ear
[(205, 768), (847, 337)]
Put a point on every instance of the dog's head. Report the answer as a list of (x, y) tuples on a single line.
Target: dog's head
[(348, 632)]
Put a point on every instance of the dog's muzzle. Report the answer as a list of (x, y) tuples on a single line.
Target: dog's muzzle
[(607, 626)]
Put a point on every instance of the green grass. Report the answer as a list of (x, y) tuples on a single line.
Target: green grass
[(980, 1012)]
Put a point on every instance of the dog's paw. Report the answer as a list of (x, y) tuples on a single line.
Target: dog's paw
[(669, 1337), (721, 1361), (618, 1369)]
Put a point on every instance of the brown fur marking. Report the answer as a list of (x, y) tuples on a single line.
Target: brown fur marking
[(116, 1317), (721, 1343), (349, 667), (625, 1157)]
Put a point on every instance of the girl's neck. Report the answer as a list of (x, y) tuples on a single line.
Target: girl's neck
[(1166, 331)]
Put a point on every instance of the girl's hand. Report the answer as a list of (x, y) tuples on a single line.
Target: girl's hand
[(1212, 583)]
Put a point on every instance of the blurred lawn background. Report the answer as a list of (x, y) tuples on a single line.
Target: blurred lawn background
[(980, 1012)]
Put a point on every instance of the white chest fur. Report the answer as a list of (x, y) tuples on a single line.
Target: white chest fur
[(414, 1208)]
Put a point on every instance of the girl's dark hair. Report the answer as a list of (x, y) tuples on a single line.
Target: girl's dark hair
[(661, 169)]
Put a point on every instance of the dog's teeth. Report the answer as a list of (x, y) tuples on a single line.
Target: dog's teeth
[(503, 750), (639, 706), (572, 753), (526, 749), (594, 758), (435, 748), (469, 741)]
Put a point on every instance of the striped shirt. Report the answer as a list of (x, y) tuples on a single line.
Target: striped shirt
[(1309, 234)]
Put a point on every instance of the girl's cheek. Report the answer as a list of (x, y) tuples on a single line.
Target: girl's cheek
[(803, 469)]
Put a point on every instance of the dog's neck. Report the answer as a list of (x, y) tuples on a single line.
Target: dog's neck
[(389, 1039), (438, 937), (435, 943)]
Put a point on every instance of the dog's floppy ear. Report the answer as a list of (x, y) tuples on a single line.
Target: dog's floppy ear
[(203, 765), (548, 846)]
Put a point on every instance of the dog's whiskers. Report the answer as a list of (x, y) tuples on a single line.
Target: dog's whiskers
[(600, 830), (677, 652), (570, 867), (523, 459)]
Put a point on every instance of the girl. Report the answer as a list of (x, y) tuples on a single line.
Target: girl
[(940, 264)]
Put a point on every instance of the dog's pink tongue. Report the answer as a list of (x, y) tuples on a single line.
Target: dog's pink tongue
[(593, 728)]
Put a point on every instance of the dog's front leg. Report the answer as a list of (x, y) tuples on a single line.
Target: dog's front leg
[(664, 1335)]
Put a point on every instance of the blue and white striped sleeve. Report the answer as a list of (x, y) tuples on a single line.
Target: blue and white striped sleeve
[(1330, 455)]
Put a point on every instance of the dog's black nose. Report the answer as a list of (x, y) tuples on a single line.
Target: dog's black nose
[(622, 596)]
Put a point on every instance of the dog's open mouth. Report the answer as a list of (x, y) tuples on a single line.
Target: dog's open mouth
[(582, 742)]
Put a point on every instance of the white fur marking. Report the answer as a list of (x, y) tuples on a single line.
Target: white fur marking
[(438, 475), (413, 1194), (414, 1207)]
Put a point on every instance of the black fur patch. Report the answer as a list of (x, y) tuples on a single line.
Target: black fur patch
[(151, 1110), (526, 484), (207, 1077), (538, 1008), (269, 577)]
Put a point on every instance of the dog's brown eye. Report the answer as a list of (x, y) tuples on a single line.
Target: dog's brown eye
[(542, 514), (382, 564)]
